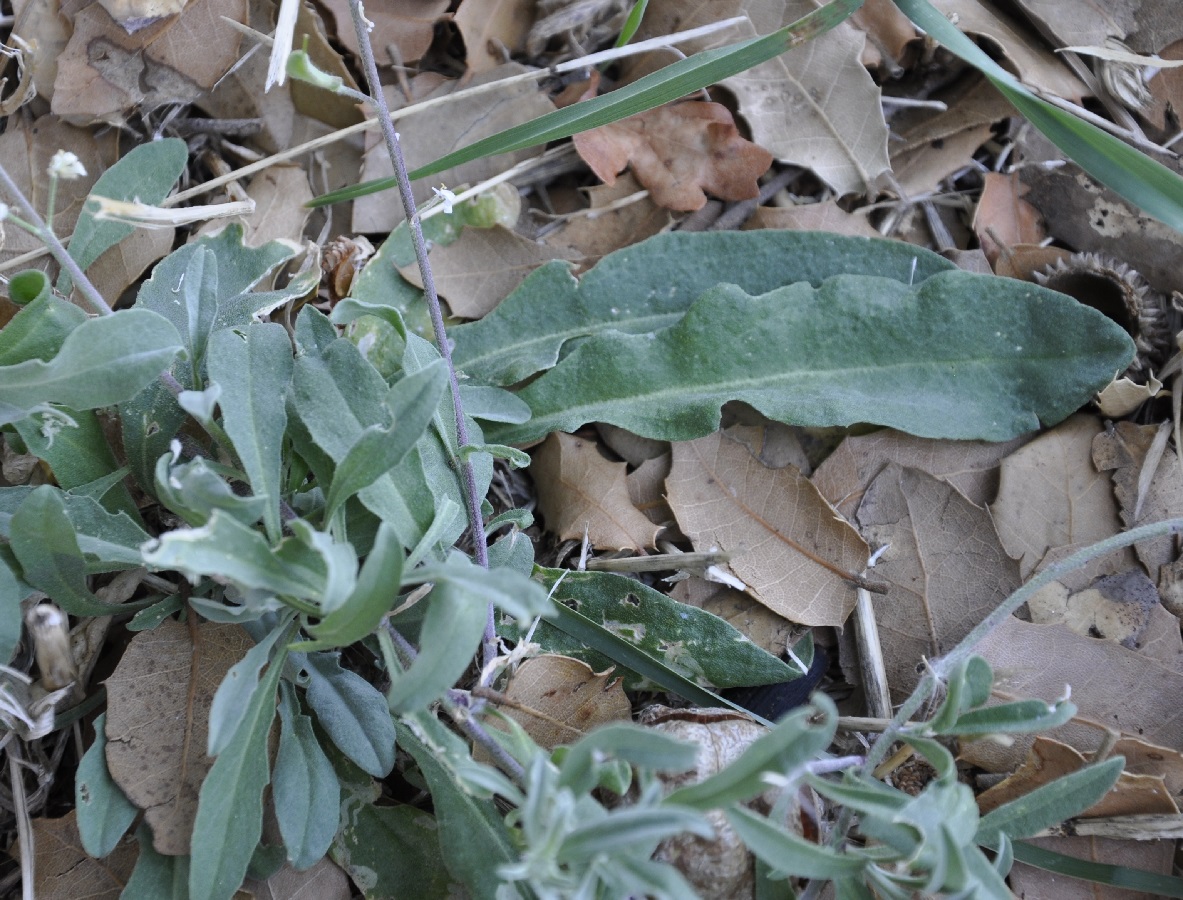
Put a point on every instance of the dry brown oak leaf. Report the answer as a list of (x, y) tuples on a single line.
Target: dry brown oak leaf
[(678, 152)]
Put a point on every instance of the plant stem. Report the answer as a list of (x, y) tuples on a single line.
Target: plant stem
[(394, 149), (46, 236)]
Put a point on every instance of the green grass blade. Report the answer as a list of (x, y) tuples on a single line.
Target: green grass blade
[(632, 23), (1149, 185), (1118, 876), (683, 77)]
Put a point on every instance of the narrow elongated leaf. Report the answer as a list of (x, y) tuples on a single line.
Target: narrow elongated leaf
[(1051, 804), (253, 367), (628, 827), (226, 547), (683, 77), (147, 173), (689, 641), (229, 818), (1146, 183), (509, 590), (649, 286), (794, 741), (1011, 718), (352, 712), (307, 792), (103, 810), (100, 363), (377, 587), (473, 833), (155, 874), (449, 637), (1151, 883), (232, 698), (789, 853), (960, 356), (412, 402)]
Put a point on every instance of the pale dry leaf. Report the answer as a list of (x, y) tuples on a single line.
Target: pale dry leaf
[(279, 194), (753, 619), (569, 699), (1023, 260), (1113, 607), (632, 448), (156, 738), (1162, 641), (64, 870), (1122, 396), (579, 489), (615, 218), (934, 145), (678, 152), (970, 466), (1121, 451), (104, 72), (1002, 215), (482, 267), (324, 881), (815, 106), (1035, 64), (493, 30), (774, 444), (406, 25), (41, 21), (646, 489), (825, 216), (1050, 495), (1134, 794), (119, 267), (1111, 686), (429, 134), (1146, 25), (1145, 758), (889, 32), (725, 499), (135, 14), (943, 561)]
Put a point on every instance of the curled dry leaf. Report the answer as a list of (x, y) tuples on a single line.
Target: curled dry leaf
[(678, 152), (943, 561), (579, 489), (724, 498), (158, 704), (401, 27), (558, 700)]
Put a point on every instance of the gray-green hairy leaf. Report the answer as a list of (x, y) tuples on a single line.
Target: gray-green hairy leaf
[(961, 356), (649, 286), (100, 363), (307, 793), (103, 810), (352, 712)]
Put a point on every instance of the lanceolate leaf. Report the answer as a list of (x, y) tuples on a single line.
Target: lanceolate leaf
[(253, 368), (100, 363), (650, 285), (307, 793), (961, 356)]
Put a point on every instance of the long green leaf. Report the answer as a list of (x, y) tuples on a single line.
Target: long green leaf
[(1146, 183), (352, 712), (1050, 804), (229, 818), (787, 852), (103, 811), (100, 363), (253, 368), (1151, 883), (961, 356), (677, 80), (649, 286), (306, 790)]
